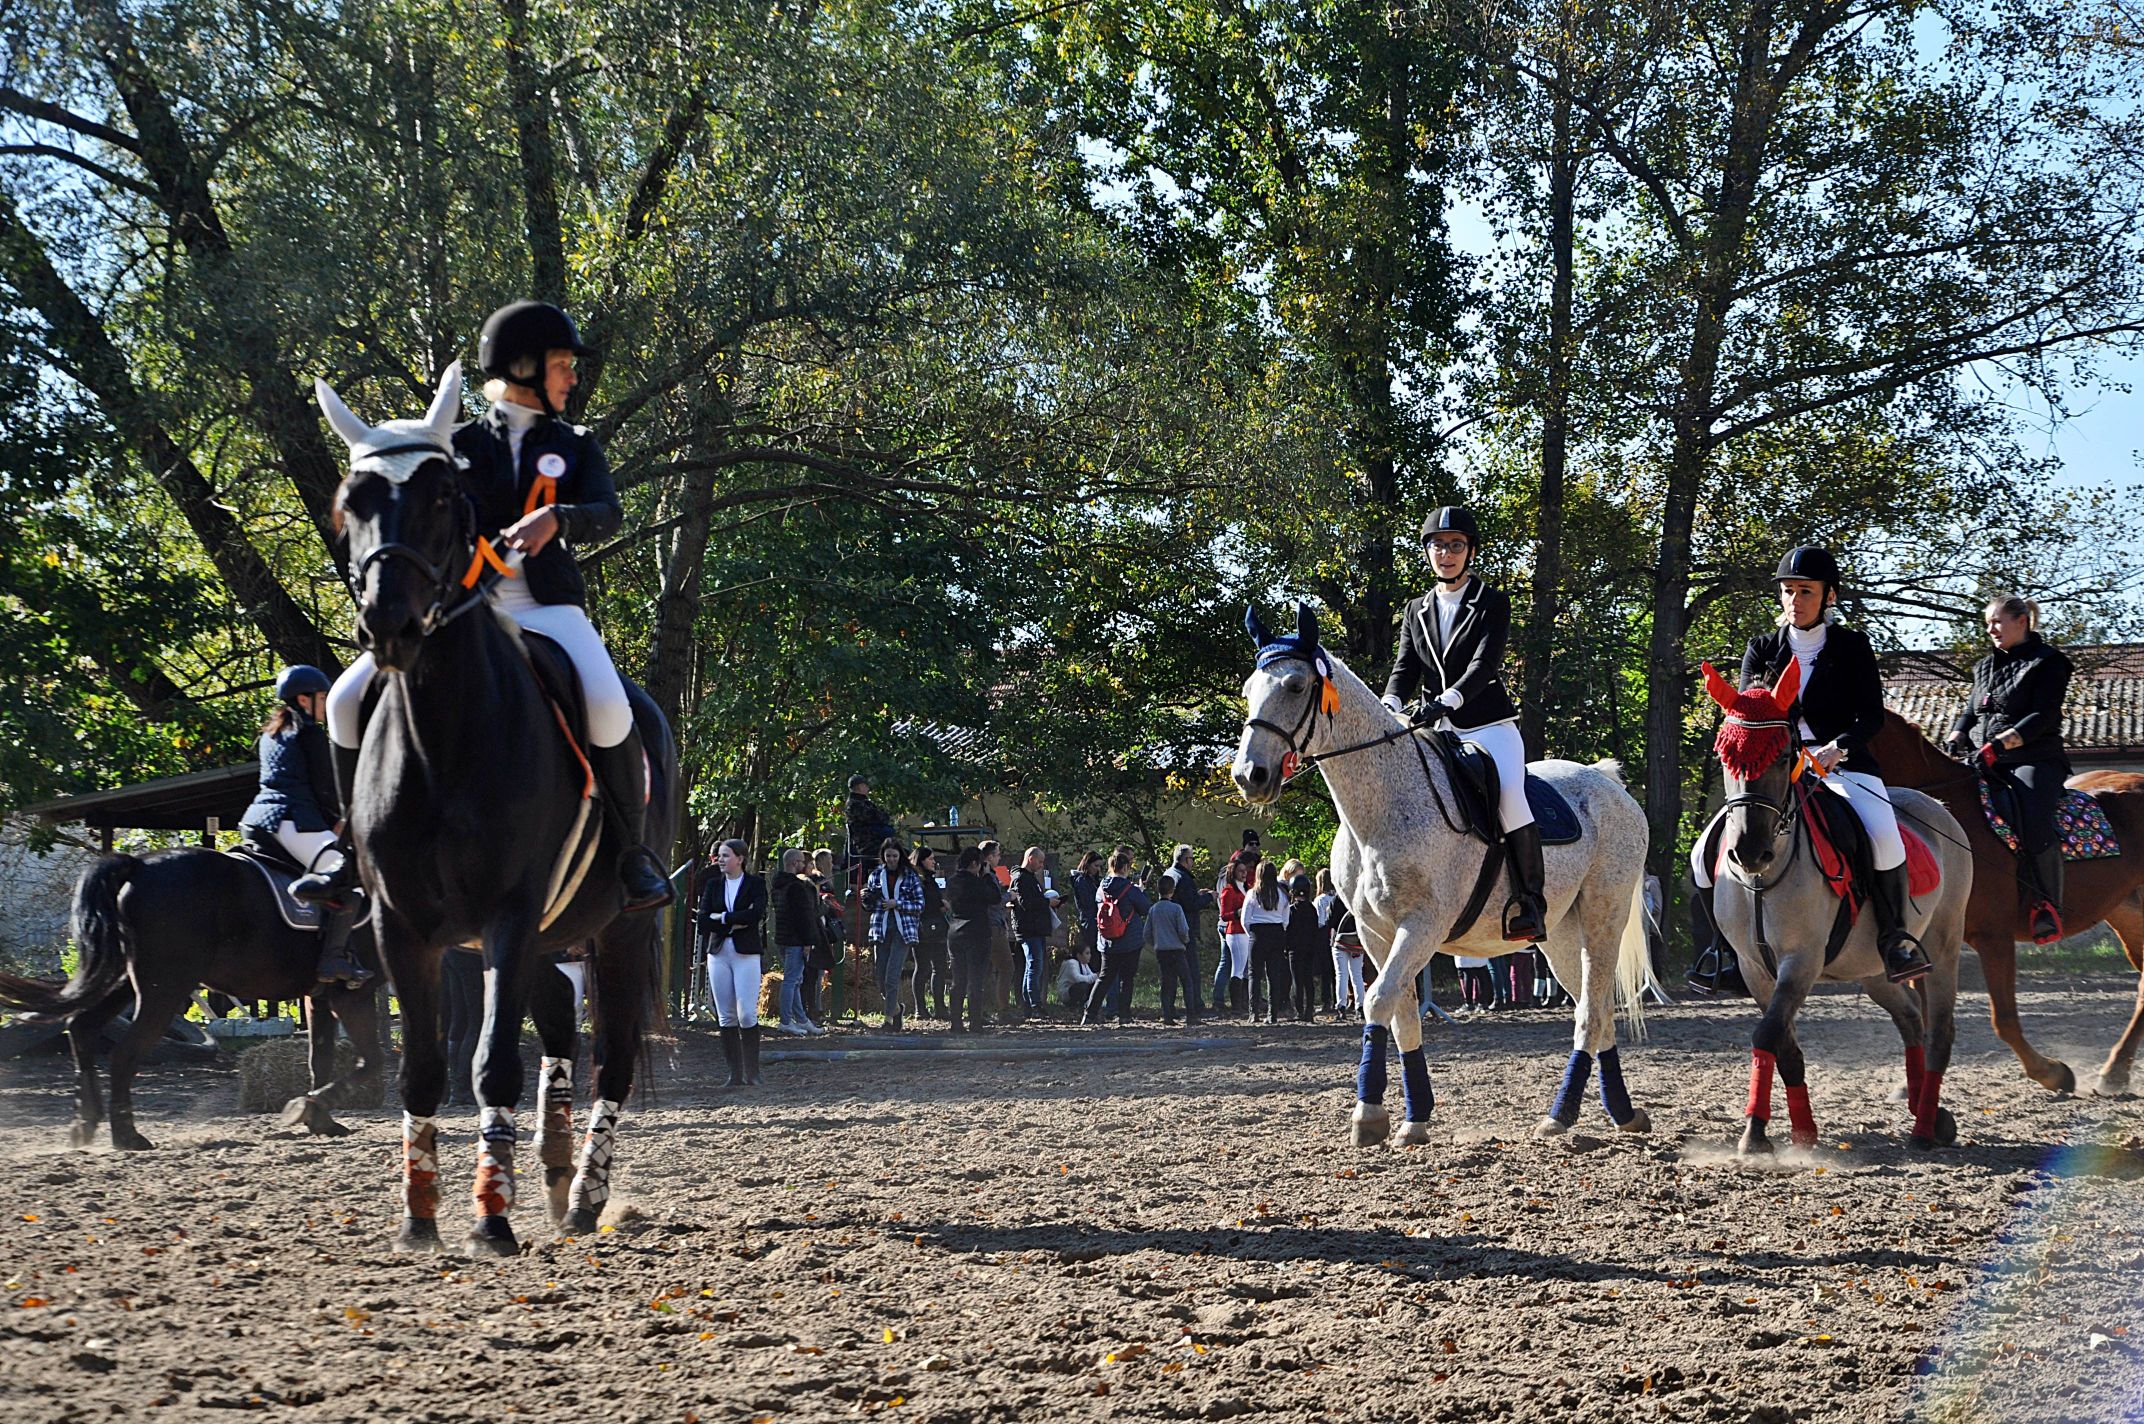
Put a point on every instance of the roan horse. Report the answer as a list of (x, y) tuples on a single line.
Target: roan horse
[(153, 928), (1995, 921), (1405, 869), (1773, 903), (472, 825)]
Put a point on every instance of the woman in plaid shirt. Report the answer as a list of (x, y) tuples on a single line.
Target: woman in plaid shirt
[(895, 894)]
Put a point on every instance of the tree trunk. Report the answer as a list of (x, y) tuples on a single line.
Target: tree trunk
[(1539, 675), (539, 159)]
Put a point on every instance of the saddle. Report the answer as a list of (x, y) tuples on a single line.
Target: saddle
[(2081, 823), (1476, 790), (278, 867)]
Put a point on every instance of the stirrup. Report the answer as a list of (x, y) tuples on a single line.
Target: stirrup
[(1906, 961), (2053, 916), (1516, 929)]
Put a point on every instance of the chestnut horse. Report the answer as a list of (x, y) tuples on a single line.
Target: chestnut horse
[(1995, 921)]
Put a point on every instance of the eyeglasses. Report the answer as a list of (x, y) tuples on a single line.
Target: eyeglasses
[(1446, 546)]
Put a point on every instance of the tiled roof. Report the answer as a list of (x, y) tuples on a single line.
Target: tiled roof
[(2104, 713)]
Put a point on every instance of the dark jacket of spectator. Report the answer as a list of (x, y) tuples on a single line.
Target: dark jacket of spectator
[(1178, 885), (1030, 905), (797, 916), (869, 827), (1305, 934), (1084, 889), (970, 896), (1135, 904)]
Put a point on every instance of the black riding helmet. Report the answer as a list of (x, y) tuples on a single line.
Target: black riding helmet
[(1810, 561), (526, 331), (1453, 519), (299, 681)]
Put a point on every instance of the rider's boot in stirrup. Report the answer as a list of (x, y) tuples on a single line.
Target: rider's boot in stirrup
[(1526, 916), (337, 964), (1903, 958), (326, 887), (2043, 877), (1717, 969), (640, 871)]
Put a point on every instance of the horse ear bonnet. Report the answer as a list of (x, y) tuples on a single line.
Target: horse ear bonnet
[(397, 449), (1256, 626)]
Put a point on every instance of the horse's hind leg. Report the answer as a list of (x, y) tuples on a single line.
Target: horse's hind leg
[(153, 1012), (551, 1009), (2127, 921), (1904, 1007), (309, 1110), (84, 1032), (622, 970), (1933, 1125), (1998, 967)]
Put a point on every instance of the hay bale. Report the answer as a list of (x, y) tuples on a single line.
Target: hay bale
[(275, 1072), (770, 997)]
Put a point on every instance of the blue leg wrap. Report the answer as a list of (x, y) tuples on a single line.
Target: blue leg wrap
[(1573, 1091), (1370, 1075), (1614, 1096), (1414, 1082)]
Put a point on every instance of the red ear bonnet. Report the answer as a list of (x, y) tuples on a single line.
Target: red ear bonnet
[(1754, 734)]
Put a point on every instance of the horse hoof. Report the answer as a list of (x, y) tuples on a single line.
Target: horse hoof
[(1369, 1125), (493, 1236), (128, 1140), (419, 1236), (1753, 1144), (1804, 1140), (1639, 1121), (2062, 1080), (1946, 1128), (557, 1192), (81, 1135), (1412, 1134), (578, 1221), (1550, 1127), (312, 1114), (2111, 1085)]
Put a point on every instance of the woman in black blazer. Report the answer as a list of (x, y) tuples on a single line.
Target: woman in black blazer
[(731, 909), (970, 898), (2013, 722), (1452, 648), (1838, 710)]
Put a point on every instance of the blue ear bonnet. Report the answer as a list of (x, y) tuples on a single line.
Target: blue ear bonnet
[(1283, 650), (1299, 646)]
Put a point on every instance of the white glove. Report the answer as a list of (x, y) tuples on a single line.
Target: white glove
[(1394, 703), (1451, 697)]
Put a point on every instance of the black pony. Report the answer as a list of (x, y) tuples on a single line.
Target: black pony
[(191, 917), (473, 823)]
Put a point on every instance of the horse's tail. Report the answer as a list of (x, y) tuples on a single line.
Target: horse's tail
[(103, 938), (1634, 963)]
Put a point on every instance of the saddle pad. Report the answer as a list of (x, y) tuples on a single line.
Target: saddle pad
[(1558, 822), (2080, 821), (295, 913), (1923, 874)]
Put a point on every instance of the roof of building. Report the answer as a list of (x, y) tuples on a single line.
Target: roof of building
[(169, 803), (2104, 714)]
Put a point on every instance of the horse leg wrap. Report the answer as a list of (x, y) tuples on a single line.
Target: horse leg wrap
[(1801, 1121), (1614, 1096), (1414, 1084), (1916, 1070), (591, 1180), (1370, 1074), (1761, 1064), (420, 1167), (554, 1114), (494, 1191), (1924, 1107), (1572, 1092)]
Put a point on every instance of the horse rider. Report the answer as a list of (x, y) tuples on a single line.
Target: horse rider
[(2012, 723), (1839, 708), (298, 807), (544, 485), (1452, 648)]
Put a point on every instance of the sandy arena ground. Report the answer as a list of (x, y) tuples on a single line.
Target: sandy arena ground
[(1004, 1232)]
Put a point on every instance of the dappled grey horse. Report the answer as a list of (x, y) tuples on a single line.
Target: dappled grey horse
[(1405, 868)]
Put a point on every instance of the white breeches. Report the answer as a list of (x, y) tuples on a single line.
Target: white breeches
[(1238, 947), (1508, 750), (304, 845), (610, 716), (1871, 802), (733, 983), (1347, 980)]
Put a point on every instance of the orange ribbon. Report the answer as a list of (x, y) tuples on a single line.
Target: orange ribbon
[(541, 493), (484, 554)]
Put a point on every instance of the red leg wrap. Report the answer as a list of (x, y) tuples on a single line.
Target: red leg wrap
[(1802, 1120), (1924, 1111), (1916, 1069), (1761, 1065)]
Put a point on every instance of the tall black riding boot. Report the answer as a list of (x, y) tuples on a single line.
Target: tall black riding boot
[(622, 773), (1526, 915), (325, 887), (733, 1051), (2043, 874), (337, 964), (751, 1054), (1716, 970), (1903, 958), (1239, 997)]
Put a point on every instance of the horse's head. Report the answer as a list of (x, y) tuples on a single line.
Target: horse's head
[(402, 511), (1285, 692), (1756, 747)]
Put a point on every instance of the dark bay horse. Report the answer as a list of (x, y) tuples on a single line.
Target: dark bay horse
[(473, 825), (2092, 890), (189, 918)]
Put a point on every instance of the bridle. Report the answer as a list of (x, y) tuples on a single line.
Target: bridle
[(442, 581)]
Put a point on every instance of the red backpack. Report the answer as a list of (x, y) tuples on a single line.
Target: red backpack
[(1110, 921)]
